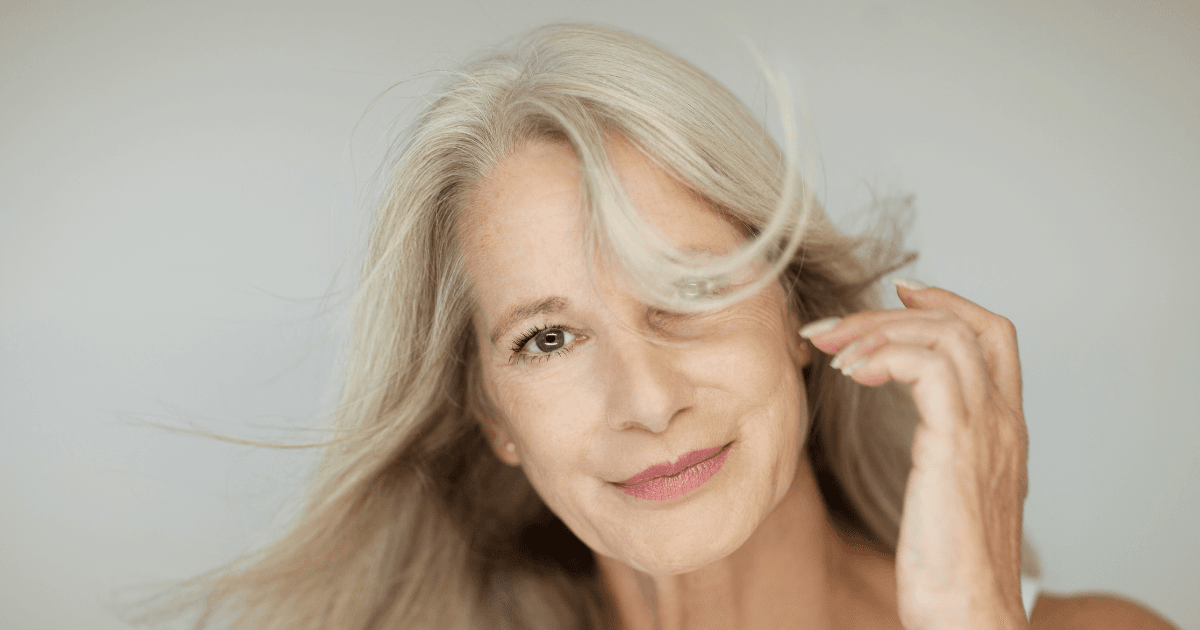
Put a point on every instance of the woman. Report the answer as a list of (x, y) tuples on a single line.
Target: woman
[(589, 388)]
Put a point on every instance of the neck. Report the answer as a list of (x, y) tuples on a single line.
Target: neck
[(796, 570)]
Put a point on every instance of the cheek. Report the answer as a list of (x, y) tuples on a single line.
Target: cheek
[(547, 420), (756, 368), (756, 362), (778, 429)]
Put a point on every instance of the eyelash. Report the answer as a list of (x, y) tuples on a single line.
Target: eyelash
[(519, 344)]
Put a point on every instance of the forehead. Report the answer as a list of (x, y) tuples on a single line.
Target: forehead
[(522, 235)]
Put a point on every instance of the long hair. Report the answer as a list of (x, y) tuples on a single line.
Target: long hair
[(412, 521)]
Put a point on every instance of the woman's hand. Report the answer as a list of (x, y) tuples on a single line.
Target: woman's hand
[(958, 559)]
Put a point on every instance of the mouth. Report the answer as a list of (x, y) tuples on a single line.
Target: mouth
[(678, 484), (667, 469)]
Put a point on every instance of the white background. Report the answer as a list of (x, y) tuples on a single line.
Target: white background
[(181, 206)]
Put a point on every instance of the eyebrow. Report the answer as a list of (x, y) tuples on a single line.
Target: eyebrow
[(525, 310)]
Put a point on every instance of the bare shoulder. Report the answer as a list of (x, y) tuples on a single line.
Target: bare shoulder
[(1087, 611)]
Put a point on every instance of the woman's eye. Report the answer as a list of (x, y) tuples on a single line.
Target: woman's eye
[(548, 340)]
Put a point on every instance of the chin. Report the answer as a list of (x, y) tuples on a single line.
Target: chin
[(673, 552), (683, 556)]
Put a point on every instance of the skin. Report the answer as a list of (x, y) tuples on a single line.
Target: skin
[(633, 386)]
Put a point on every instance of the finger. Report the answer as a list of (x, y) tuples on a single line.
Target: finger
[(949, 335), (852, 327), (997, 335), (936, 387)]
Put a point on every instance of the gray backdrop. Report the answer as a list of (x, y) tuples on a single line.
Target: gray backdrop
[(181, 203)]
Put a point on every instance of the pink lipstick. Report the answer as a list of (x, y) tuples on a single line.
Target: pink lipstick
[(667, 481)]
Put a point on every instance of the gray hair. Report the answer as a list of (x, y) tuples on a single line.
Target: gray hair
[(412, 522)]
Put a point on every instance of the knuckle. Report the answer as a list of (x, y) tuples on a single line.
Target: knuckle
[(941, 363), (1006, 327), (956, 332), (962, 330)]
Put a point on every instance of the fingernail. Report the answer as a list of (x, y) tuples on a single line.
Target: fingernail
[(837, 361), (819, 326), (909, 283), (848, 370)]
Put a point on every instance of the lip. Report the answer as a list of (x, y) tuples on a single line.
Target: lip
[(669, 469), (682, 483)]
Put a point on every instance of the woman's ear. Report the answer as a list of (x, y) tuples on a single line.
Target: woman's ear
[(800, 349), (504, 448)]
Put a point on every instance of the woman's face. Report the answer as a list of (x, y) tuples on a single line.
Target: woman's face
[(607, 387)]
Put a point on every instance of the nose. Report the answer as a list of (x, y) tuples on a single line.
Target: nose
[(647, 388)]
